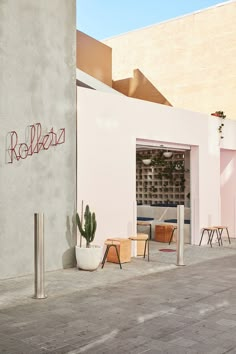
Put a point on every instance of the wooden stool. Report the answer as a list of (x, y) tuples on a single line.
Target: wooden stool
[(171, 236), (141, 244), (210, 231), (142, 237), (146, 223), (109, 244), (220, 230), (164, 232), (124, 250)]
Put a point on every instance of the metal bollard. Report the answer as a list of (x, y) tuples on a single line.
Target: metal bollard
[(180, 235), (39, 256)]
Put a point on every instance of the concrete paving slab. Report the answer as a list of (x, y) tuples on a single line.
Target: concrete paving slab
[(146, 313), (21, 290)]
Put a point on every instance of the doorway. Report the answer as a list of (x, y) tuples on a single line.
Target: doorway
[(162, 183)]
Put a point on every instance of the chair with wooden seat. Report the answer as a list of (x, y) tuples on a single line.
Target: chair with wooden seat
[(172, 234), (146, 224), (210, 232), (109, 244), (145, 238)]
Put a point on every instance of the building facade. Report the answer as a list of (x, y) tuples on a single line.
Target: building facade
[(51, 161)]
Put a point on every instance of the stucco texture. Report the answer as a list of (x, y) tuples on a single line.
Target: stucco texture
[(108, 181), (37, 84)]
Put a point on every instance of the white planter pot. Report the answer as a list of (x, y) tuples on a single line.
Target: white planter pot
[(88, 258)]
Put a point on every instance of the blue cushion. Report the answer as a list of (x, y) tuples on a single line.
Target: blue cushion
[(140, 218), (173, 205), (175, 221)]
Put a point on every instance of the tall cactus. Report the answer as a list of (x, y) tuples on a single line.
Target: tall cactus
[(90, 225)]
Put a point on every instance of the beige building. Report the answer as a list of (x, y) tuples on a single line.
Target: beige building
[(187, 62)]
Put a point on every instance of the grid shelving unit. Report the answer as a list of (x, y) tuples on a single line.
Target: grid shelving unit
[(154, 187)]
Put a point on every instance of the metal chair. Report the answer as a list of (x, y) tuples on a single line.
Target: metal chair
[(109, 244), (142, 237), (210, 232), (172, 233), (146, 224), (220, 230)]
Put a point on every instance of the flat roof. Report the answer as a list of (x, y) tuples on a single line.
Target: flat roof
[(88, 81)]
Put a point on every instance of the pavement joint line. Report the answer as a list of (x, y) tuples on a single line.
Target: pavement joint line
[(93, 344)]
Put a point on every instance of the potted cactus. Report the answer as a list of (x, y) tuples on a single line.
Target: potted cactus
[(89, 257)]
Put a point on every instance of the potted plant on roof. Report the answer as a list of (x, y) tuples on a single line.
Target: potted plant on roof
[(222, 116), (88, 257)]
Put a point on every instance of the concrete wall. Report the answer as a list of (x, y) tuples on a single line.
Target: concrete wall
[(107, 157), (190, 60), (37, 84), (94, 58)]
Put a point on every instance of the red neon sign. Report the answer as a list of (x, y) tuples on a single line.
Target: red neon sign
[(37, 142)]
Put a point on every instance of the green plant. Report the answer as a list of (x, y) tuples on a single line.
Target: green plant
[(169, 171), (221, 115), (138, 158), (90, 225)]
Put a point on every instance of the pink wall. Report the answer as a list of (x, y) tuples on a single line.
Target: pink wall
[(108, 126), (228, 189)]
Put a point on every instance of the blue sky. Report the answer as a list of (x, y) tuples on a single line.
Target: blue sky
[(106, 18)]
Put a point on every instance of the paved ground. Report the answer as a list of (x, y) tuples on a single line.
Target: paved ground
[(188, 309), (20, 290)]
